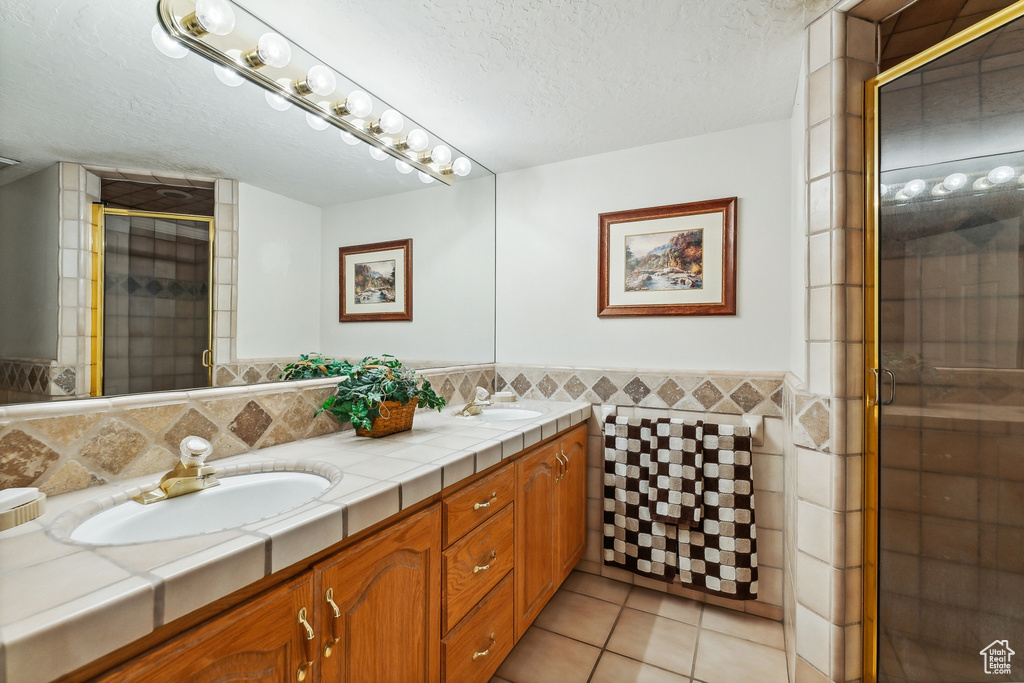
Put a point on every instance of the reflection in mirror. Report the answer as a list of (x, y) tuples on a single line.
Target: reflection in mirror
[(125, 119)]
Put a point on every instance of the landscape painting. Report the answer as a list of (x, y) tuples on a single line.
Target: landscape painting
[(375, 282), (665, 261)]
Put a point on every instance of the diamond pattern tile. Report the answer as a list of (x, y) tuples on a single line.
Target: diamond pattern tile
[(547, 386), (521, 385), (746, 397), (575, 387), (670, 392), (708, 394), (604, 388), (637, 390)]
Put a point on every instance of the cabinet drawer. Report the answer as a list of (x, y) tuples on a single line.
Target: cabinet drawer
[(488, 629), (476, 503), (474, 565)]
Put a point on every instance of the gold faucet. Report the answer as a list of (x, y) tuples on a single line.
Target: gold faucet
[(474, 407), (188, 476)]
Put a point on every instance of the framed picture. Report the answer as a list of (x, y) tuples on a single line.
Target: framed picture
[(375, 281), (668, 260)]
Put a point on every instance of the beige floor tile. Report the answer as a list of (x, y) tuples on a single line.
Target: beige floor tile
[(544, 657), (733, 623), (665, 605), (597, 587), (615, 668), (663, 642), (580, 617), (724, 659), (498, 680)]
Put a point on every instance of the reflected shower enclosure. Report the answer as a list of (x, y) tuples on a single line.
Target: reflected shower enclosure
[(156, 302)]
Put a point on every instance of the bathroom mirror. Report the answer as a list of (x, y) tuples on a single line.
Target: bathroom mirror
[(84, 83)]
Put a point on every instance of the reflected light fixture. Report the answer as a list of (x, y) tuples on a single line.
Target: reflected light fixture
[(226, 34), (912, 189), (1001, 174)]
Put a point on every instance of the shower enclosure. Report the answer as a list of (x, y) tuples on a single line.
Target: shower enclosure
[(945, 483), (156, 328)]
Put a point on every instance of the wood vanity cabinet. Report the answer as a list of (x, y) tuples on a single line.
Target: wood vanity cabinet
[(380, 605), (261, 640), (442, 594), (550, 521)]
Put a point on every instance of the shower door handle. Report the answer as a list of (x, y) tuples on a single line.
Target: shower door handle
[(207, 358), (878, 386)]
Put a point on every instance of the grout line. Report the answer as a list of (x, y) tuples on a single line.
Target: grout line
[(696, 643), (615, 624)]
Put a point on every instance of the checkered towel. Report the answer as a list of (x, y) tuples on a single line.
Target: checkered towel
[(721, 558), (675, 482), (719, 555), (632, 540)]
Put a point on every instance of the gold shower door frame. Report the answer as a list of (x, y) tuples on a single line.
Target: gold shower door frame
[(872, 360), (99, 213)]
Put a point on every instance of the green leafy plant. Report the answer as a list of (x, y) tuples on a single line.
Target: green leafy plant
[(312, 366), (372, 381)]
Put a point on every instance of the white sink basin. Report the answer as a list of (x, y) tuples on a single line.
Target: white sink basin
[(239, 500), (508, 414)]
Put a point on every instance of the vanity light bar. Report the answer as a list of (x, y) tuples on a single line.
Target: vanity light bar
[(1001, 177), (293, 83)]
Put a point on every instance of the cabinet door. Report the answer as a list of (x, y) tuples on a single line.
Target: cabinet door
[(387, 590), (572, 502), (262, 641), (536, 514)]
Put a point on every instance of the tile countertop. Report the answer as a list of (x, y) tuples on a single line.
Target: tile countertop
[(63, 604)]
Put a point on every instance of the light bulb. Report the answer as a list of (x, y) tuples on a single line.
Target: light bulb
[(954, 181), (227, 76), (426, 178), (271, 50), (462, 166), (276, 101), (211, 16), (168, 46), (417, 140), (390, 122), (378, 154), (441, 155), (349, 138), (359, 104), (1001, 174), (319, 80), (403, 167), (914, 187)]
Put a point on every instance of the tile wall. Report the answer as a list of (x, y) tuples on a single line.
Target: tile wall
[(67, 446)]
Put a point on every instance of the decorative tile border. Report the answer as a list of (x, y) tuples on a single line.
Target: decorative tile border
[(732, 393), (33, 379), (67, 446)]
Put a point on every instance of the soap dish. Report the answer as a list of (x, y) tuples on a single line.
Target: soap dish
[(25, 512), (503, 397)]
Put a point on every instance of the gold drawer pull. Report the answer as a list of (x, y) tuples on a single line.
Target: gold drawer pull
[(480, 568), (303, 670), (329, 645), (477, 655), (494, 497)]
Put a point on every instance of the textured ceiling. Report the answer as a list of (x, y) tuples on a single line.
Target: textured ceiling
[(512, 83)]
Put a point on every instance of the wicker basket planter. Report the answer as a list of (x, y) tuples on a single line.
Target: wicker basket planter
[(393, 418)]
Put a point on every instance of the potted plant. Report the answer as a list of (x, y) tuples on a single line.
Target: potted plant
[(312, 366), (379, 396)]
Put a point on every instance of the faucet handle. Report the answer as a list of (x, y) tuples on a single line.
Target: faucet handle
[(194, 451), (481, 394)]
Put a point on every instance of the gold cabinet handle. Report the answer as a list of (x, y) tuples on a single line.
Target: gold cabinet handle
[(480, 568), (561, 468), (477, 655), (566, 457), (329, 645), (303, 670), (494, 497)]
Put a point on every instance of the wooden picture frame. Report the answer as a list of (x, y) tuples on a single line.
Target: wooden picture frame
[(375, 282), (668, 260)]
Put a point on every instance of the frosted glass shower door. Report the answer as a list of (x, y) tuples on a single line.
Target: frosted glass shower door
[(950, 302)]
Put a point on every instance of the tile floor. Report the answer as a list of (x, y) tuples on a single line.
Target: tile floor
[(597, 630)]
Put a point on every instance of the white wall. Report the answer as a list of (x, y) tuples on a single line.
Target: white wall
[(279, 279), (452, 229), (547, 240), (798, 232), (29, 225)]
